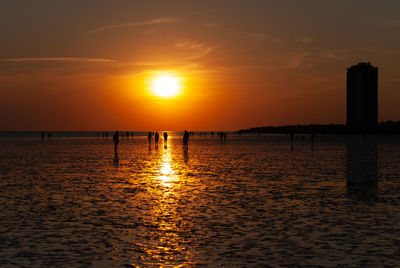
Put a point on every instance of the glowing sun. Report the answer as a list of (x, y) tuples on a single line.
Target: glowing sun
[(166, 86)]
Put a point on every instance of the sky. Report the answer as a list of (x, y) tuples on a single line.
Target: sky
[(89, 65)]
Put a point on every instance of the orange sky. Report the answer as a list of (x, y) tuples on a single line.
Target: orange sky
[(88, 65)]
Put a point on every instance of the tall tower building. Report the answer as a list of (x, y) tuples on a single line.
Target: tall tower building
[(362, 96)]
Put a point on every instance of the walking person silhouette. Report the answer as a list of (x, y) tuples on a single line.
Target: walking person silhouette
[(156, 138), (116, 141), (165, 139), (185, 140)]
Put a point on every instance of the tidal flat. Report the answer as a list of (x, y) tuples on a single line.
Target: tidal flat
[(250, 201)]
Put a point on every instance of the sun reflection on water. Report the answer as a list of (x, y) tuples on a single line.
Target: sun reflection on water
[(166, 246), (166, 173)]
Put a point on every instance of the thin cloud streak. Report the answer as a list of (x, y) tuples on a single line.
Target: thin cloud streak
[(134, 24), (57, 59), (392, 23), (195, 49), (264, 36)]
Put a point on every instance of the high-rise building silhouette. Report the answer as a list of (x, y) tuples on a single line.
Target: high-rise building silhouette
[(362, 96)]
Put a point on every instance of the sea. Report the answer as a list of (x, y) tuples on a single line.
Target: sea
[(243, 201)]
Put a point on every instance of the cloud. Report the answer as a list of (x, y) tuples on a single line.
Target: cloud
[(306, 40), (134, 24), (209, 25), (264, 36), (57, 59), (391, 23), (260, 36), (195, 49)]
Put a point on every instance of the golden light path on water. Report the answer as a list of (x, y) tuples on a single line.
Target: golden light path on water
[(168, 247), (167, 174)]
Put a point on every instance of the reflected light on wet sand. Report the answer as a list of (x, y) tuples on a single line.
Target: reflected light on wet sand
[(166, 173), (166, 247)]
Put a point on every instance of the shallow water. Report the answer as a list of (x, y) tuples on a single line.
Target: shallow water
[(253, 201)]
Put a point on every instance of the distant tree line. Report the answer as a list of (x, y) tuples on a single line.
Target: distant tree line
[(387, 127)]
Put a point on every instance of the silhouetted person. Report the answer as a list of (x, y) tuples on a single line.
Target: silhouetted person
[(116, 140), (165, 139), (149, 137), (156, 138), (291, 137), (49, 135), (185, 139), (42, 134)]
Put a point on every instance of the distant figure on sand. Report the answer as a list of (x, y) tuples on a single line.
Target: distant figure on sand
[(116, 140), (149, 137), (291, 136), (49, 135), (156, 138), (165, 139), (185, 139), (42, 134)]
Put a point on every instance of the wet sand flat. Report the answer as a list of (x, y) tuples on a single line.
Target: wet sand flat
[(252, 201)]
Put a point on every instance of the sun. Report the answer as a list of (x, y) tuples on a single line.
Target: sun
[(166, 86)]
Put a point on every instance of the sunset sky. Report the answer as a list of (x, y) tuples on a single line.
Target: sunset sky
[(90, 65)]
